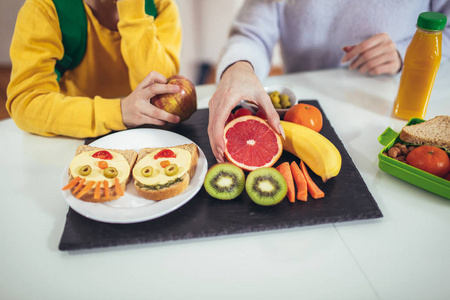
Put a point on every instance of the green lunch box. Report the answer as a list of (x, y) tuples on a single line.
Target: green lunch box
[(422, 179)]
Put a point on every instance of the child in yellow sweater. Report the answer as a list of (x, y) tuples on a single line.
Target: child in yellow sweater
[(128, 57)]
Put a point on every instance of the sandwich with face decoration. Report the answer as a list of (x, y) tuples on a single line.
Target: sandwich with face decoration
[(162, 173), (100, 175)]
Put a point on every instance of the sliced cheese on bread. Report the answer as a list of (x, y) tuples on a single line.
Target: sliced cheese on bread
[(159, 185), (434, 132), (121, 160)]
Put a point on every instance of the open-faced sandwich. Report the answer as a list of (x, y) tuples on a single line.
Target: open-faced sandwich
[(99, 175), (162, 173)]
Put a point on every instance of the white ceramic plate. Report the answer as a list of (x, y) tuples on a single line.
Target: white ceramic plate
[(132, 208)]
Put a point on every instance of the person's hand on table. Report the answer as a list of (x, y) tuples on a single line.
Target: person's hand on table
[(238, 82), (375, 56), (136, 107)]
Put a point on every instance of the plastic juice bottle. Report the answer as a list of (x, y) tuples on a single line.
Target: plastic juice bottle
[(421, 64)]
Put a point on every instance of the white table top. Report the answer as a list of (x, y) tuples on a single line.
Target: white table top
[(404, 255)]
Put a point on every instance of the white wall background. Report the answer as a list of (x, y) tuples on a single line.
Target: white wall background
[(205, 30), (8, 14)]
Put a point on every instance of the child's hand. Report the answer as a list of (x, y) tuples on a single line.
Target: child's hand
[(137, 109)]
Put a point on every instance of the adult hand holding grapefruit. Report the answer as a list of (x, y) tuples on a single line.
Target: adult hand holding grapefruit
[(251, 144), (238, 82)]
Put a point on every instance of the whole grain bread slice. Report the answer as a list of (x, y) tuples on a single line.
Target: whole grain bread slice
[(434, 132)]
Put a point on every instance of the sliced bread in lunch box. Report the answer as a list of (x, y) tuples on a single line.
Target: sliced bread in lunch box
[(434, 132)]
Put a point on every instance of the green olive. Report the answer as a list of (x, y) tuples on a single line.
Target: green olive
[(285, 103), (277, 105), (147, 171), (110, 172), (85, 170), (284, 97), (171, 170), (275, 98)]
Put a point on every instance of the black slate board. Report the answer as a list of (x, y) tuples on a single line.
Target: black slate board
[(346, 198)]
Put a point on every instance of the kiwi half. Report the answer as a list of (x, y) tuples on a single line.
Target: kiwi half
[(266, 186), (224, 181)]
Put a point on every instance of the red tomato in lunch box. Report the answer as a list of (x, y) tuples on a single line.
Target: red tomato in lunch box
[(430, 159)]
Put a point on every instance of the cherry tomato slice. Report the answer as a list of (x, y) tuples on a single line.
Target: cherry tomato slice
[(165, 153), (103, 154)]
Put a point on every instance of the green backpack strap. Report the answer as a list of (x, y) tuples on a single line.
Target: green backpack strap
[(150, 8), (73, 24)]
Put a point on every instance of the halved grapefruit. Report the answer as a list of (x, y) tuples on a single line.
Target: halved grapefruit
[(250, 143)]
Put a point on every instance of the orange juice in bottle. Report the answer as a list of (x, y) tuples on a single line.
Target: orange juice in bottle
[(421, 64)]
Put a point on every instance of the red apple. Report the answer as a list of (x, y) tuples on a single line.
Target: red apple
[(183, 103)]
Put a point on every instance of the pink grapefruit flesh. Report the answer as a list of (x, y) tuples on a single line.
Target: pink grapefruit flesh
[(250, 143)]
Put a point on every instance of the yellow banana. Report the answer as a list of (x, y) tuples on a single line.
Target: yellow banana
[(316, 151)]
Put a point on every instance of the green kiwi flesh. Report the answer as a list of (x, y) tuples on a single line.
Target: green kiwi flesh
[(266, 186), (224, 181)]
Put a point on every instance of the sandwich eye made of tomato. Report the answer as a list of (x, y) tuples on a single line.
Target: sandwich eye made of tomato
[(103, 154), (165, 153)]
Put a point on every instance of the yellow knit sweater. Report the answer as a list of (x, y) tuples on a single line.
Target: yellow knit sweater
[(86, 101)]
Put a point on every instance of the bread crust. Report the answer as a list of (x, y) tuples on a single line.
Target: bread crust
[(130, 156), (434, 132), (176, 188)]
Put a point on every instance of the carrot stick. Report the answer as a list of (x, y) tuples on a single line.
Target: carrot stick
[(285, 170), (119, 190), (72, 183), (97, 190), (106, 188), (79, 186), (86, 188), (300, 182), (313, 189)]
